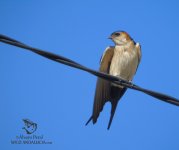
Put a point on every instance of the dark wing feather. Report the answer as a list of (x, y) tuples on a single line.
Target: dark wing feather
[(102, 93)]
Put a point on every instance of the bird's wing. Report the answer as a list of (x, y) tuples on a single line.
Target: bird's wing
[(102, 93), (139, 53)]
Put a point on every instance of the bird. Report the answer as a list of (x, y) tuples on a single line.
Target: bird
[(121, 60)]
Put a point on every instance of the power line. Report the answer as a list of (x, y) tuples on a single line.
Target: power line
[(68, 62)]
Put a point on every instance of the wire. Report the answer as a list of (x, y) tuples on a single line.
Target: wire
[(68, 62)]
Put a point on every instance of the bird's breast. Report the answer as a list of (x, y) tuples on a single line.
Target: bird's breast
[(124, 63)]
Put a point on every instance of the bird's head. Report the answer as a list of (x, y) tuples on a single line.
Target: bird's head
[(120, 37)]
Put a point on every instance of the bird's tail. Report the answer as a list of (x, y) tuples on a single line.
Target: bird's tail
[(113, 109), (116, 94), (89, 120)]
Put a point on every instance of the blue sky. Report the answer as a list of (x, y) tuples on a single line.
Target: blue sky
[(59, 98)]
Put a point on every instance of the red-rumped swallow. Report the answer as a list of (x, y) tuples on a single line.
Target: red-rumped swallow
[(121, 60)]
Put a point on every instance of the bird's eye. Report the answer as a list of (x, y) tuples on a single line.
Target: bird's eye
[(117, 34)]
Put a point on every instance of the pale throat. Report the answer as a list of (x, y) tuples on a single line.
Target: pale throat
[(124, 46)]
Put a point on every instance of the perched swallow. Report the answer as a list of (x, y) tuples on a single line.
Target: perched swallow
[(121, 60)]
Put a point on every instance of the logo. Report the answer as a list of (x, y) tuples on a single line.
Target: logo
[(29, 137), (29, 126)]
